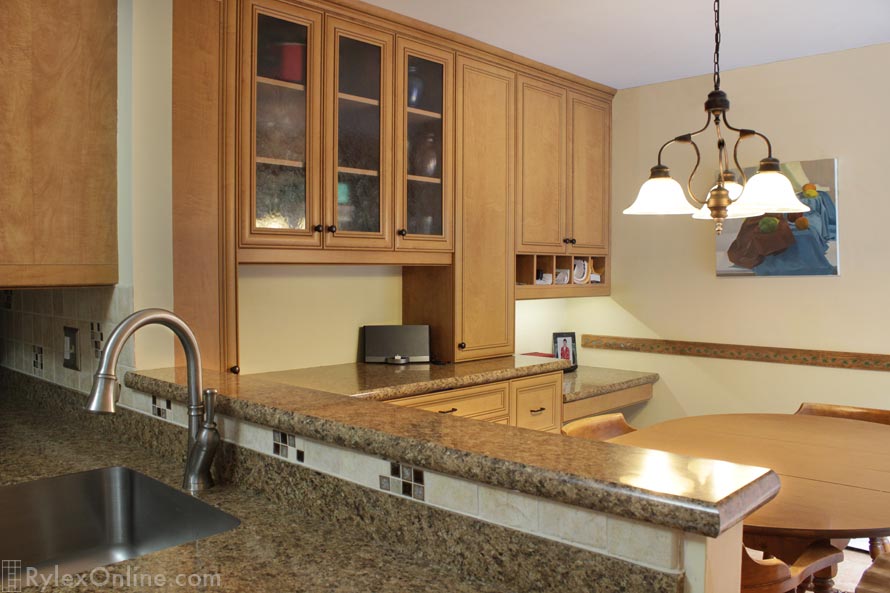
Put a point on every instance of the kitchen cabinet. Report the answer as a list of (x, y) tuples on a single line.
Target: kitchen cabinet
[(281, 116), (423, 140), (58, 149), (470, 306), (536, 402), (541, 167), (483, 402), (531, 402), (317, 132), (589, 137), (358, 136), (562, 203)]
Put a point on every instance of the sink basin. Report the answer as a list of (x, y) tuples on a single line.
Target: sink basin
[(80, 521)]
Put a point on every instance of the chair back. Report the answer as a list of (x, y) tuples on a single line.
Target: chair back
[(877, 578), (598, 428), (848, 412)]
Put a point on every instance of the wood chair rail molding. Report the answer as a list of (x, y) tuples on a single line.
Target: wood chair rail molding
[(822, 358)]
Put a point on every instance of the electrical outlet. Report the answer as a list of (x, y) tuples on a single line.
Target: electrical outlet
[(70, 351)]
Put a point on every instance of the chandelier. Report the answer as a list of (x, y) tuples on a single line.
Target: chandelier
[(733, 195)]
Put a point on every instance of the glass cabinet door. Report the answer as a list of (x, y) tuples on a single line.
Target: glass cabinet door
[(424, 132), (281, 95), (359, 139)]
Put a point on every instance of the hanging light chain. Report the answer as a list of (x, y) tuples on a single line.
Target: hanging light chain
[(716, 45)]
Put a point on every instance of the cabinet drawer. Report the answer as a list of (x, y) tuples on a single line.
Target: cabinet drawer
[(482, 402), (536, 402)]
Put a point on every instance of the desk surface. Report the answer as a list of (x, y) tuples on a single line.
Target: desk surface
[(835, 472)]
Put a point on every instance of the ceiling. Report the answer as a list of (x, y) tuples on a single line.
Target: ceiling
[(627, 43)]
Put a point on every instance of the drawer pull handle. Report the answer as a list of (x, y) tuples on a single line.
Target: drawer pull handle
[(451, 411), (537, 410)]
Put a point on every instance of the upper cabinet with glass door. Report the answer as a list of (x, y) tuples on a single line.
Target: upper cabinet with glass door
[(358, 196), (281, 126), (424, 133)]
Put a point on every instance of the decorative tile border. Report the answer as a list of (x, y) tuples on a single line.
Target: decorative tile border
[(822, 358), (633, 541)]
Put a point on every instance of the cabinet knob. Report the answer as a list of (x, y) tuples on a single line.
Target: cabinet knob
[(332, 228), (402, 232), (566, 240), (235, 369), (462, 345), (319, 228), (572, 241)]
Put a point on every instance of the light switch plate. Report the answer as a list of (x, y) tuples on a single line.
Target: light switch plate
[(70, 351)]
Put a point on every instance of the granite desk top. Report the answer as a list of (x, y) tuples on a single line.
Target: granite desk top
[(695, 495), (593, 381), (274, 549), (383, 382)]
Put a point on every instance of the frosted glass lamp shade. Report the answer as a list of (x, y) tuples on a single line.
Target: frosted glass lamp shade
[(660, 195), (770, 191), (734, 188)]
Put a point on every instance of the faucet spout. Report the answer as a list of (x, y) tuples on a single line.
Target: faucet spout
[(106, 388)]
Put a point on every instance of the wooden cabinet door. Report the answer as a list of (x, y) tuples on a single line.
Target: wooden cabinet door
[(280, 153), (536, 402), (541, 167), (484, 261), (589, 148), (424, 96), (58, 143), (358, 136)]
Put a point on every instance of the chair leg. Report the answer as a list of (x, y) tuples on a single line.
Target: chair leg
[(878, 546)]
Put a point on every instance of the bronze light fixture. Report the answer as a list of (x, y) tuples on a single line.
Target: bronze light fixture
[(733, 196)]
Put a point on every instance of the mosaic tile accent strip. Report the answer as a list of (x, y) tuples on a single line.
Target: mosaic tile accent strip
[(860, 361), (159, 407), (283, 443), (405, 480)]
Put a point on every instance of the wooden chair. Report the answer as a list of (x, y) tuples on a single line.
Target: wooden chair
[(598, 428), (876, 545), (848, 412), (774, 576), (877, 578)]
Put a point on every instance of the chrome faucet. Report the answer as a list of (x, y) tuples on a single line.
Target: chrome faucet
[(203, 438)]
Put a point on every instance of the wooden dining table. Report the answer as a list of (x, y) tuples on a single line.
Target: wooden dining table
[(835, 475)]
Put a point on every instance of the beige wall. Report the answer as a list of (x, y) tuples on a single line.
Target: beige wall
[(302, 316), (151, 71), (664, 284)]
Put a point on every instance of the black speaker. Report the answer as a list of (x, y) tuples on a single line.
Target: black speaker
[(397, 344)]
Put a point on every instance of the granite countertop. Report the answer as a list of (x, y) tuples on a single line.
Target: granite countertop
[(383, 382), (274, 549), (593, 381), (695, 495)]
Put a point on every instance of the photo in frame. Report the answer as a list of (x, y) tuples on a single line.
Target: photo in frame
[(565, 347)]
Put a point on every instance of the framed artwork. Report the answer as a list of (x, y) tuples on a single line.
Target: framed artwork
[(803, 244), (564, 347)]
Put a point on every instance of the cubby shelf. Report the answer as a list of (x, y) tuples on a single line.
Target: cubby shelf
[(354, 171), (423, 179), (529, 266)]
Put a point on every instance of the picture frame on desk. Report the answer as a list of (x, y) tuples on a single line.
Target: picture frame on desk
[(565, 347)]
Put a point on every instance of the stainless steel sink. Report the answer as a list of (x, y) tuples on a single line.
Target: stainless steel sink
[(80, 521)]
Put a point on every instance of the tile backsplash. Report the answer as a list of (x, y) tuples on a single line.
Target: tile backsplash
[(32, 330)]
